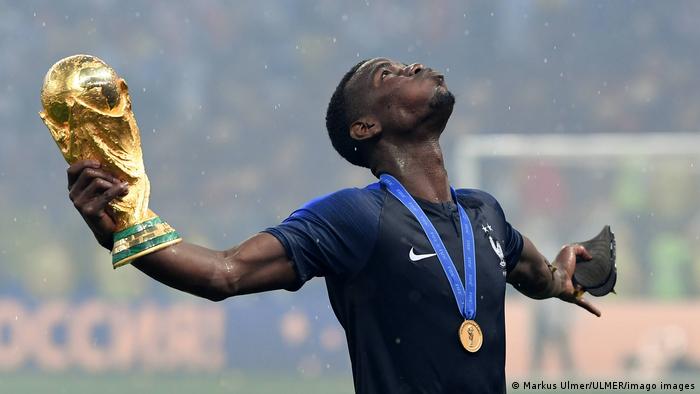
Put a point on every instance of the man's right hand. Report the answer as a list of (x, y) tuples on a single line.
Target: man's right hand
[(91, 189), (260, 263)]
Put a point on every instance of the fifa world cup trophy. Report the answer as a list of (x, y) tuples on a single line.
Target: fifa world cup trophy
[(87, 109)]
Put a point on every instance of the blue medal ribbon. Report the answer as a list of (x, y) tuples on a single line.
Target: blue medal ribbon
[(465, 297)]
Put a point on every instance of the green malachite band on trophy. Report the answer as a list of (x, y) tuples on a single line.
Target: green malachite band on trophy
[(118, 259), (141, 239), (137, 228)]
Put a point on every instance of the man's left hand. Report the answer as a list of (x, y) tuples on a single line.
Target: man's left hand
[(564, 266)]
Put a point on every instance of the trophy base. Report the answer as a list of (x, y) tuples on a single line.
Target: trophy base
[(141, 239)]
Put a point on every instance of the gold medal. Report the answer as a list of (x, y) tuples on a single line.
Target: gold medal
[(470, 335)]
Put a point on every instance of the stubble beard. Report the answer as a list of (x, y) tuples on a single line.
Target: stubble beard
[(441, 99)]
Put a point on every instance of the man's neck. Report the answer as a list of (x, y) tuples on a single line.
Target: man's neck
[(419, 166)]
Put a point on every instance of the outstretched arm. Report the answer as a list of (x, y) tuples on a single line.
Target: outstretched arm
[(535, 277), (257, 264)]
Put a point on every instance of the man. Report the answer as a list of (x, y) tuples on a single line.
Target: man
[(389, 276)]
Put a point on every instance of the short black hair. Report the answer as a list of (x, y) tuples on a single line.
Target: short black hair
[(342, 111)]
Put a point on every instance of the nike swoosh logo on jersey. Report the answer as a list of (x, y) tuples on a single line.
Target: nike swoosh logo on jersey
[(417, 257)]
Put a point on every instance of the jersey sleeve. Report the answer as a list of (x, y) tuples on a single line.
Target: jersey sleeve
[(332, 235), (514, 245), (511, 238)]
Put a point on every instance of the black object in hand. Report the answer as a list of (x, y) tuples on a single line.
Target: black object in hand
[(598, 276)]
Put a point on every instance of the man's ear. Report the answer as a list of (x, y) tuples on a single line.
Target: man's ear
[(365, 127)]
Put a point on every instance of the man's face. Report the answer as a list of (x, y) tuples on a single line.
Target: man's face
[(401, 96)]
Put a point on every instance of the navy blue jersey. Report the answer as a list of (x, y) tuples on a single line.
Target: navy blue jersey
[(390, 293)]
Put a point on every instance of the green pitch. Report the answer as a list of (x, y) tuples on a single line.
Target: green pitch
[(223, 383), (230, 382)]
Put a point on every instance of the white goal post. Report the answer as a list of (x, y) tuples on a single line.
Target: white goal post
[(471, 148)]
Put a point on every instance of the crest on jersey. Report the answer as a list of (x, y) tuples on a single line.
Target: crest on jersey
[(495, 245)]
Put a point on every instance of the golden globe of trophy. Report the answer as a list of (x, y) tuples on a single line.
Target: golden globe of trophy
[(87, 109)]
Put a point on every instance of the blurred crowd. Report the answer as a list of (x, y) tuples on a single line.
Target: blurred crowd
[(231, 96)]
